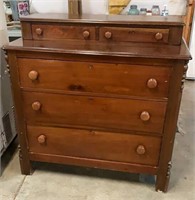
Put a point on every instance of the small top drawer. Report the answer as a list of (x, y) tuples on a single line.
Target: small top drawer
[(52, 32), (119, 34), (117, 28)]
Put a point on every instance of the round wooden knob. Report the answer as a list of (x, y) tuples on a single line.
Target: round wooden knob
[(145, 116), (86, 34), (141, 150), (159, 36), (152, 83), (41, 139), (36, 106), (108, 35), (33, 75), (39, 31)]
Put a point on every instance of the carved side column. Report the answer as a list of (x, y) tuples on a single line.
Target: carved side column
[(184, 76), (12, 70)]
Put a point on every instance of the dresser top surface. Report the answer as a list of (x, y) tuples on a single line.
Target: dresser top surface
[(104, 19), (103, 49)]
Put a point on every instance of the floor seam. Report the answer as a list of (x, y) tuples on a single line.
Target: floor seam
[(19, 188)]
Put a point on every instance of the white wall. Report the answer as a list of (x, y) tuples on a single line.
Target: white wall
[(191, 69), (3, 40), (176, 7), (61, 6), (3, 28)]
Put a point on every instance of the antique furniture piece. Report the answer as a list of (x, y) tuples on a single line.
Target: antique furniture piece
[(99, 91)]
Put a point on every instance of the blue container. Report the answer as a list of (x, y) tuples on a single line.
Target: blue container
[(133, 10)]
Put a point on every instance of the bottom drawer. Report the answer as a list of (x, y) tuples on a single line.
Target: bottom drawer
[(119, 147)]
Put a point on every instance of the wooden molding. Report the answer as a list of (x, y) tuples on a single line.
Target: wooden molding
[(188, 19)]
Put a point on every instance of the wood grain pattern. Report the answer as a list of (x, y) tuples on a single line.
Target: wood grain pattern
[(26, 31), (94, 144), (123, 114), (95, 77), (94, 163), (104, 19), (62, 32), (19, 116), (83, 100), (139, 27), (134, 34), (170, 127), (111, 51), (188, 19)]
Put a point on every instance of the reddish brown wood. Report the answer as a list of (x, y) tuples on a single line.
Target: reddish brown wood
[(19, 116), (175, 93), (101, 164), (124, 114), (92, 50), (188, 19), (61, 32), (131, 79), (26, 31), (158, 21), (134, 34), (138, 25), (175, 36), (94, 144), (86, 100)]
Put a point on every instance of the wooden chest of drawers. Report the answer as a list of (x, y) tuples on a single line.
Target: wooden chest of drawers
[(99, 91)]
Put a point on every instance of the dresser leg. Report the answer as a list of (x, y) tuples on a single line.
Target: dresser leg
[(163, 178), (25, 164)]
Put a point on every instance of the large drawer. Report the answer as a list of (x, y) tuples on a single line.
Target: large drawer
[(62, 32), (118, 34), (108, 113), (94, 144), (134, 80)]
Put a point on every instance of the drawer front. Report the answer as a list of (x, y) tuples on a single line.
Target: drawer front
[(94, 144), (108, 113), (134, 80), (134, 35), (52, 32)]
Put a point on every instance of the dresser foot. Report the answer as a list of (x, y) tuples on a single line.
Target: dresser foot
[(25, 164), (163, 178), (25, 167)]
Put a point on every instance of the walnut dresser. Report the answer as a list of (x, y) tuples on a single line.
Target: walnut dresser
[(98, 91)]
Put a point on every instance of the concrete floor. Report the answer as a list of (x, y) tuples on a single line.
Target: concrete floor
[(57, 182)]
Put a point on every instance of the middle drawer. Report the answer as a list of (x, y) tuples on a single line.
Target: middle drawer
[(120, 79), (99, 112)]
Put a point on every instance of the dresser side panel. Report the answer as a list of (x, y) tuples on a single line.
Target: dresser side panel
[(19, 117), (175, 93)]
